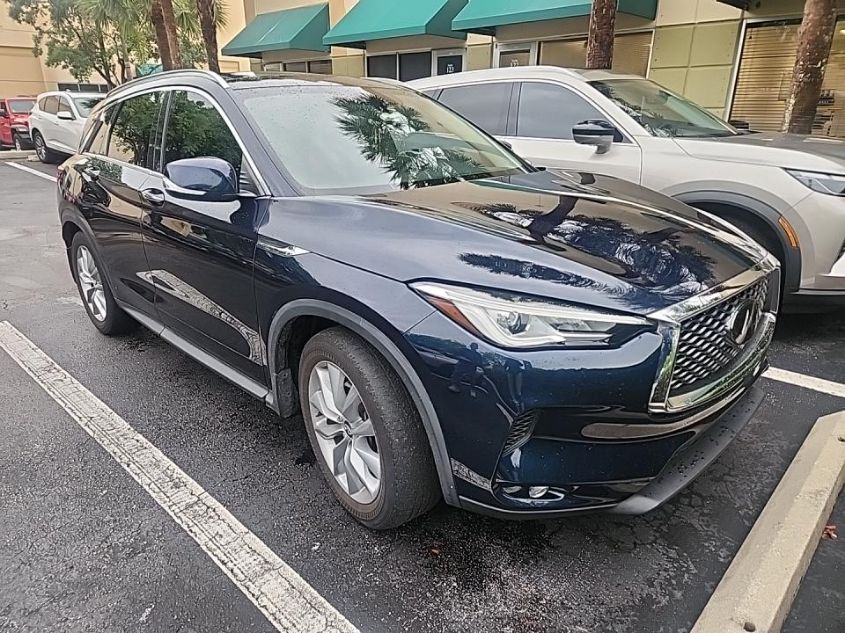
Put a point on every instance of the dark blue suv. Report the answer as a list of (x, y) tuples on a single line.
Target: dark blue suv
[(451, 321)]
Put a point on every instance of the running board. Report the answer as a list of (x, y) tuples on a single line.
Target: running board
[(252, 387)]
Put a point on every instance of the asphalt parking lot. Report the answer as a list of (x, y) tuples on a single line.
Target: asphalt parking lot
[(84, 548)]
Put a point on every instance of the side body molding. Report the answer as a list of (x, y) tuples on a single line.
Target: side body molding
[(283, 381)]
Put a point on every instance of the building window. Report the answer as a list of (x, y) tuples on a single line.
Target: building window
[(275, 67), (764, 79), (318, 66), (402, 66), (512, 55), (83, 87), (631, 53)]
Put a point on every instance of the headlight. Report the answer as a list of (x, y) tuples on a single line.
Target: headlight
[(513, 321), (830, 184)]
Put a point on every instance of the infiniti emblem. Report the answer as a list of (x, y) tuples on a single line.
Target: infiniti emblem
[(742, 321)]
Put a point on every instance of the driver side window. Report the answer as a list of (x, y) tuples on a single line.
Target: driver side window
[(551, 111)]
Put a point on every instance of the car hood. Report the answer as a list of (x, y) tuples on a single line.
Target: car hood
[(581, 238), (794, 151)]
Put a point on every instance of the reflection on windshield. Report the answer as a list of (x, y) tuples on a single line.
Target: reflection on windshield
[(349, 139), (661, 112)]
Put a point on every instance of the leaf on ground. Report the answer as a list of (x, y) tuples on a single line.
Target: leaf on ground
[(829, 532)]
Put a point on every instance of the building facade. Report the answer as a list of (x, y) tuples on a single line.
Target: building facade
[(734, 57)]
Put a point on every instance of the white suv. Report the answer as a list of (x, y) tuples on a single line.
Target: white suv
[(785, 191), (57, 120)]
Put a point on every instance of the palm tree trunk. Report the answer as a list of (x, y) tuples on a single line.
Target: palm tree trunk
[(169, 17), (814, 40), (600, 38), (162, 38), (209, 32)]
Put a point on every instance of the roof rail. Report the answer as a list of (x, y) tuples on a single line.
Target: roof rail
[(178, 71)]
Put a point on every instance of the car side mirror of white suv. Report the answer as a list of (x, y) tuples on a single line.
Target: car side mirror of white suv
[(598, 133), (64, 115)]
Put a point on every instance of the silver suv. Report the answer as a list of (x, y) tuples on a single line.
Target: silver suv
[(785, 191)]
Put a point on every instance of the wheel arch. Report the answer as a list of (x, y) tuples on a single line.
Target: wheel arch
[(283, 381), (727, 205)]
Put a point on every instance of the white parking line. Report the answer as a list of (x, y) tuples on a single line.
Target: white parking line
[(30, 170), (286, 600), (808, 382)]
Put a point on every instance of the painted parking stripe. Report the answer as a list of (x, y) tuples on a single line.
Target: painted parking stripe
[(284, 598), (30, 170), (808, 382)]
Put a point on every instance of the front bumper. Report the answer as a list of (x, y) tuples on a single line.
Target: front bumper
[(687, 464)]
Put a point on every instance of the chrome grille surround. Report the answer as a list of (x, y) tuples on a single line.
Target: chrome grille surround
[(697, 366)]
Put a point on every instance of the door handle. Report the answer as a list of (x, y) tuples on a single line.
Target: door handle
[(154, 196)]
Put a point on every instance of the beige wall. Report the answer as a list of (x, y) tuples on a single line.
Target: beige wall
[(235, 22)]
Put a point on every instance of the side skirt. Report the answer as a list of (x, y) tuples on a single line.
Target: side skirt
[(252, 387)]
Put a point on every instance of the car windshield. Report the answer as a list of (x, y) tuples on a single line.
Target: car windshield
[(661, 112), (84, 105), (21, 106), (350, 139)]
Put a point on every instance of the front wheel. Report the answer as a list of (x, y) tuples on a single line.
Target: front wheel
[(365, 431), (44, 153), (97, 297)]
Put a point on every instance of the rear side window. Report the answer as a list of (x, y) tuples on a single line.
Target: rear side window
[(132, 129), (550, 111), (195, 128), (50, 105), (486, 105)]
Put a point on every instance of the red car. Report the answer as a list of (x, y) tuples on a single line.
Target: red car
[(14, 122)]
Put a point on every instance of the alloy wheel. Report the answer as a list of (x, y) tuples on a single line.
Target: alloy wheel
[(91, 283), (344, 432), (18, 144), (40, 148)]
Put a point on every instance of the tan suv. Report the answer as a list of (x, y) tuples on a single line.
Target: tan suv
[(785, 191)]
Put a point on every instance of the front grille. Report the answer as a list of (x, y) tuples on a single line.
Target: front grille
[(705, 346)]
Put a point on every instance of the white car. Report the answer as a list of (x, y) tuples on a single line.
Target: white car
[(57, 120), (786, 191)]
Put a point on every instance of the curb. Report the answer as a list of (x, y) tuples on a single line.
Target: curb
[(757, 590), (16, 155)]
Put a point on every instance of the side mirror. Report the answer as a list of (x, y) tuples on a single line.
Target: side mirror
[(64, 115), (205, 178), (505, 143), (598, 133)]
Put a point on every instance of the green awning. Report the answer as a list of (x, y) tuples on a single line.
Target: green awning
[(381, 19), (302, 29), (483, 16)]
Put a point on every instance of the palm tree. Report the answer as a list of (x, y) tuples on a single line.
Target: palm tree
[(208, 26), (600, 38), (167, 37)]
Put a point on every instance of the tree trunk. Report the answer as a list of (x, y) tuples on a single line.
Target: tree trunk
[(600, 39), (162, 38), (209, 32), (814, 40)]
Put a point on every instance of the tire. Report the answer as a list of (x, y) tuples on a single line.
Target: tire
[(114, 320), (16, 139), (408, 484), (44, 153)]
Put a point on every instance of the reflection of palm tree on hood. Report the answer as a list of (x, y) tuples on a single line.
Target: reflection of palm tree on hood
[(383, 129)]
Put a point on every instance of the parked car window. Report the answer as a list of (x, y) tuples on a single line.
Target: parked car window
[(661, 112), (195, 128), (132, 128), (84, 105), (21, 106), (550, 111), (486, 105), (64, 105), (372, 139), (100, 138), (50, 105)]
